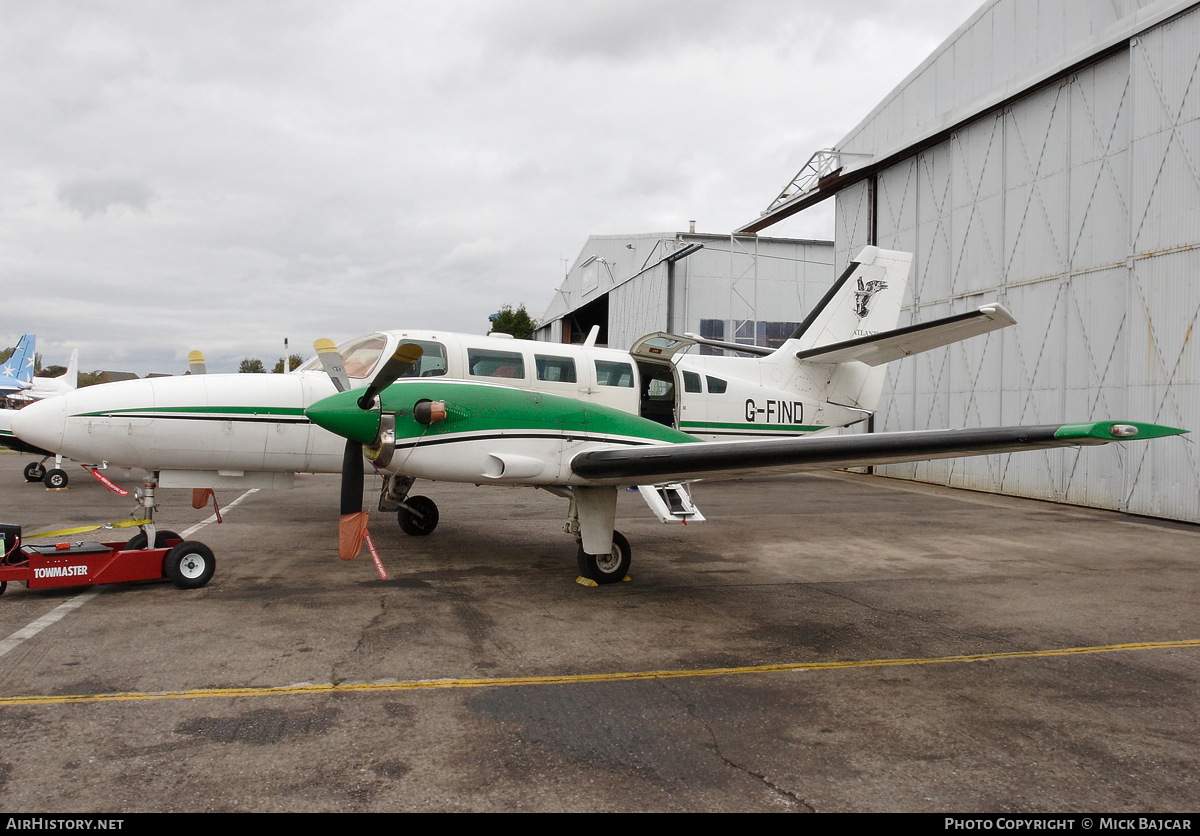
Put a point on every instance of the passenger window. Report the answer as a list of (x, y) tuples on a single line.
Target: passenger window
[(659, 388), (614, 374), (691, 383), (716, 386), (556, 369), (432, 362), (485, 363)]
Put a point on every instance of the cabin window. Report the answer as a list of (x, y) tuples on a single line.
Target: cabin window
[(659, 388), (556, 369), (432, 362), (486, 363), (716, 386), (691, 383), (614, 374)]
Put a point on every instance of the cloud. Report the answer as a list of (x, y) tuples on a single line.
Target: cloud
[(95, 196)]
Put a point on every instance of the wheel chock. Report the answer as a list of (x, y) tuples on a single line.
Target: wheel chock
[(582, 581)]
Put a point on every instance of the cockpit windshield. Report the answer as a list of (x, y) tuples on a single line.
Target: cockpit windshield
[(361, 357)]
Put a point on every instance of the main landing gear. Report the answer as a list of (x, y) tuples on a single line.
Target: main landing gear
[(606, 568), (590, 520)]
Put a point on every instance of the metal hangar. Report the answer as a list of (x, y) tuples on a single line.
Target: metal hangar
[(739, 288), (1047, 155)]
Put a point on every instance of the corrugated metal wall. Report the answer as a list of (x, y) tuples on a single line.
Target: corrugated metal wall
[(1078, 207)]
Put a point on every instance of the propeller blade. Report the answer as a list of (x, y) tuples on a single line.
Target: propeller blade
[(196, 363), (331, 361), (353, 521), (400, 362)]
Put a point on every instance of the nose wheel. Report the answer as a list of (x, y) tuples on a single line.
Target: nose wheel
[(418, 516)]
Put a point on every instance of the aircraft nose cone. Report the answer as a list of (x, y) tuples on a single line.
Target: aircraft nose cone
[(341, 415), (42, 423)]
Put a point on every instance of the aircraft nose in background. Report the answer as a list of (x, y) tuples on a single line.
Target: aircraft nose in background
[(42, 423)]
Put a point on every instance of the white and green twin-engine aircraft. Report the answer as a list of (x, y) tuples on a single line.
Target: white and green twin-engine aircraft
[(579, 421)]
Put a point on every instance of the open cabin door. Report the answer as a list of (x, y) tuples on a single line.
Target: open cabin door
[(659, 394)]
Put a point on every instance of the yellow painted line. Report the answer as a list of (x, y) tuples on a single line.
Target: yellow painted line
[(568, 679)]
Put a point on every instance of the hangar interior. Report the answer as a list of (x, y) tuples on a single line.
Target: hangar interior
[(739, 288), (1046, 155)]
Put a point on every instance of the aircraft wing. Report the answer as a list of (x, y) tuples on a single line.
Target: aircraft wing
[(735, 459)]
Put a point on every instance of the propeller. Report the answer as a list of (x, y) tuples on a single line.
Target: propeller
[(352, 524), (196, 363)]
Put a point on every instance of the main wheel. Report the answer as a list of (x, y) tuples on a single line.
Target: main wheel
[(55, 478), (161, 539), (607, 568), (189, 565), (420, 517), (34, 472)]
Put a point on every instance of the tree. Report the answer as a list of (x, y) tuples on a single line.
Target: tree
[(252, 366), (518, 322), (52, 371), (294, 361)]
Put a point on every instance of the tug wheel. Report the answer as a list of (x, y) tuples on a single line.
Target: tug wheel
[(189, 565), (420, 517), (138, 541), (607, 568)]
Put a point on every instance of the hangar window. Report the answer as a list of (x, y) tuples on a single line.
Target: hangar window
[(691, 383), (716, 386), (485, 363), (614, 374), (557, 369), (712, 329)]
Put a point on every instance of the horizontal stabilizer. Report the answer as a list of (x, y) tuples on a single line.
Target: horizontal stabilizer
[(877, 349)]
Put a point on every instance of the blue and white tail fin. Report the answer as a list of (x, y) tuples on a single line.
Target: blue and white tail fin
[(17, 371)]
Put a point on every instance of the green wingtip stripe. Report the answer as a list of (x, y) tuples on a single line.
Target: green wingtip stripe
[(1104, 430)]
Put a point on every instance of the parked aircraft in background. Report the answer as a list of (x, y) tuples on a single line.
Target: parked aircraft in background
[(578, 421), (48, 387)]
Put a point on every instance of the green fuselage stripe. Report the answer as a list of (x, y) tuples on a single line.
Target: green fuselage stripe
[(155, 411), (717, 425)]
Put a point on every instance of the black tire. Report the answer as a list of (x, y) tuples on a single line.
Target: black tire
[(422, 519), (607, 568), (55, 479), (34, 472), (3, 586), (190, 565), (161, 540)]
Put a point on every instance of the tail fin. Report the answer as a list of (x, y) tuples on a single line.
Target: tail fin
[(865, 300), (71, 378), (22, 359)]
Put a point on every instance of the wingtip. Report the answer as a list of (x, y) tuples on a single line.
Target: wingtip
[(1117, 431)]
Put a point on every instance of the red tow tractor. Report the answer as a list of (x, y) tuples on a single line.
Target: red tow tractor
[(187, 564)]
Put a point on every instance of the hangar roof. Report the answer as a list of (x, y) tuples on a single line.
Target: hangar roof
[(1006, 49)]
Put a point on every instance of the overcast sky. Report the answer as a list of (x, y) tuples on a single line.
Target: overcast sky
[(221, 175)]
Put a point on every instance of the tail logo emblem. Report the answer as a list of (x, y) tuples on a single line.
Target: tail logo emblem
[(865, 293)]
